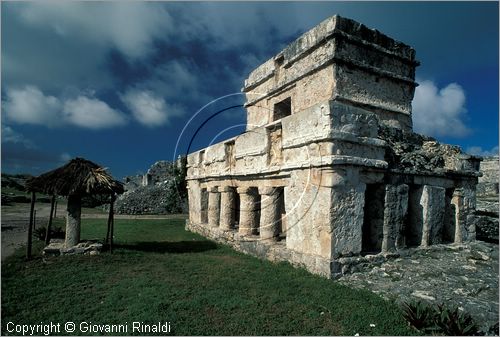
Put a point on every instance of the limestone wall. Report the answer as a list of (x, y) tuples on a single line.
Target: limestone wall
[(329, 169), (488, 182), (326, 133), (339, 59)]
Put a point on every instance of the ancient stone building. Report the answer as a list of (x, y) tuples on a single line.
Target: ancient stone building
[(329, 172)]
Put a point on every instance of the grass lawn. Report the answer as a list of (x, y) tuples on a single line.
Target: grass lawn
[(161, 273)]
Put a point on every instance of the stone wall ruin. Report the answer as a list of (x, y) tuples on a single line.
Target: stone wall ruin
[(329, 170)]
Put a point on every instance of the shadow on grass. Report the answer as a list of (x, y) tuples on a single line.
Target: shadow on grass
[(178, 247)]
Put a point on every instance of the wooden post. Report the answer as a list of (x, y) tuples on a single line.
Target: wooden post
[(34, 219), (30, 226), (49, 224), (55, 210), (112, 223), (109, 221)]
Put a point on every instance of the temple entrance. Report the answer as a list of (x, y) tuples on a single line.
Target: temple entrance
[(414, 223), (236, 210), (449, 224), (373, 220), (204, 205), (282, 212), (257, 208)]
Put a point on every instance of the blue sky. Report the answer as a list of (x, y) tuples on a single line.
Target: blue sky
[(117, 83)]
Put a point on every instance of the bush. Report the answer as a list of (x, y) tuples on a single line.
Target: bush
[(439, 319), (420, 316), (455, 323)]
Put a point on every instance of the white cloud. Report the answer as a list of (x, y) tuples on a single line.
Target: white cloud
[(149, 109), (11, 136), (439, 112), (478, 151), (29, 105), (91, 113), (131, 27)]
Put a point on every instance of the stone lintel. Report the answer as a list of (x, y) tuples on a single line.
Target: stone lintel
[(243, 189), (226, 189), (267, 190)]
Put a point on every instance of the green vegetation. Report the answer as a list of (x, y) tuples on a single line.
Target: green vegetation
[(439, 319), (159, 272)]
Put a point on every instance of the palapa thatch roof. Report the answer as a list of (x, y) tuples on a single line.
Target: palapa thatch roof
[(79, 176)]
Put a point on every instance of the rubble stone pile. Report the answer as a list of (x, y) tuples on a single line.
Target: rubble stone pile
[(159, 191)]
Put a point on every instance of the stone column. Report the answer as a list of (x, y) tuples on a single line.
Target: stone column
[(395, 209), (247, 211), (269, 213), (346, 211), (469, 202), (460, 219), (227, 207), (432, 202), (213, 207), (194, 199), (73, 219)]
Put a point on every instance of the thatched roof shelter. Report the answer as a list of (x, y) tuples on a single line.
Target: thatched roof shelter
[(78, 177)]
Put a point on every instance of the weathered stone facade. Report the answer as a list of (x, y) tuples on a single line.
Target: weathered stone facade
[(487, 200), (329, 169)]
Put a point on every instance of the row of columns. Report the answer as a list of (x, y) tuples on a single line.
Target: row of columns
[(430, 209), (221, 210)]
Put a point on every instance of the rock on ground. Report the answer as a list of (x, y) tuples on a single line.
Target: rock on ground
[(465, 276)]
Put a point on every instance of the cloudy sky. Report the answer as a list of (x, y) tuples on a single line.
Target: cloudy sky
[(119, 83)]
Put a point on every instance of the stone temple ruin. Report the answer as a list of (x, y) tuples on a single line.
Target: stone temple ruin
[(329, 170)]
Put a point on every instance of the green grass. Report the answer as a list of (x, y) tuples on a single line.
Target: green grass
[(159, 272)]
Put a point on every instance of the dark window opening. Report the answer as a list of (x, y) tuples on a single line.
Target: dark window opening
[(282, 225), (373, 220), (278, 61), (282, 109), (236, 211), (449, 225), (202, 156), (256, 213), (414, 221), (232, 207), (204, 205)]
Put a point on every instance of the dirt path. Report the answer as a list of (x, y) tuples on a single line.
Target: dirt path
[(15, 219)]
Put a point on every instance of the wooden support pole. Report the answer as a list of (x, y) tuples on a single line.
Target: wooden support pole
[(30, 226), (55, 210), (112, 223), (108, 231), (49, 224), (34, 219)]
